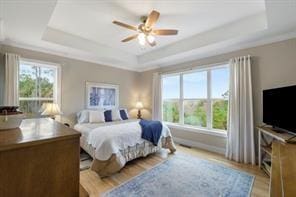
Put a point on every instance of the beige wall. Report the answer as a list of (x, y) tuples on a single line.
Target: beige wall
[(273, 65), (1, 79), (74, 75)]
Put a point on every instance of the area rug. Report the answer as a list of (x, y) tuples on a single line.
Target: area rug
[(187, 176)]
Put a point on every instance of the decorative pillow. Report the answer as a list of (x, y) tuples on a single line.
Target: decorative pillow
[(116, 115), (123, 114), (96, 116), (83, 116), (108, 116)]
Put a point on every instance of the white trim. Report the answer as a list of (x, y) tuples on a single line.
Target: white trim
[(209, 99), (188, 128), (193, 69), (35, 99), (59, 86), (181, 101), (230, 49), (144, 67), (86, 58), (39, 62), (200, 145)]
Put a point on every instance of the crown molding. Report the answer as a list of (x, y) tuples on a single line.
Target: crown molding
[(153, 66), (76, 56), (209, 53)]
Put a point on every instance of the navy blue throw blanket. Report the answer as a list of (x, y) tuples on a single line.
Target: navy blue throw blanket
[(151, 130)]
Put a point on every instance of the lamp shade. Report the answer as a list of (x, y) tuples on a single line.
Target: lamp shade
[(51, 109), (43, 107), (139, 105)]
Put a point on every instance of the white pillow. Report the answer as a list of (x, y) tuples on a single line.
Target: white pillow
[(96, 116), (116, 114), (83, 116)]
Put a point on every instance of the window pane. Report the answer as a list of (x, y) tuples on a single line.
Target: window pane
[(46, 80), (27, 81), (195, 85), (220, 110), (31, 107), (171, 111), (220, 83), (171, 87), (36, 82), (195, 112)]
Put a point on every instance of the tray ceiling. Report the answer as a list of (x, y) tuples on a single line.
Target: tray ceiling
[(84, 29)]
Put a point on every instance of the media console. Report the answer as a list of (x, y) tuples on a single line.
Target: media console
[(277, 159)]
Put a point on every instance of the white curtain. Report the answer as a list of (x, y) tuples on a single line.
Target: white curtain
[(11, 79), (156, 97), (240, 143)]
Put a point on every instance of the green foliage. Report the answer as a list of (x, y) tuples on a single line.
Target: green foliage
[(27, 86), (220, 109), (33, 84), (196, 113), (171, 111), (40, 87)]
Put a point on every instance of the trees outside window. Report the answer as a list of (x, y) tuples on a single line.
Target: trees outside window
[(197, 98), (38, 84)]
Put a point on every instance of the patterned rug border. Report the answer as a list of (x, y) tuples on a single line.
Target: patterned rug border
[(127, 181), (187, 155)]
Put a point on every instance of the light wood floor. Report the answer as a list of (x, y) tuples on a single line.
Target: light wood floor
[(95, 186)]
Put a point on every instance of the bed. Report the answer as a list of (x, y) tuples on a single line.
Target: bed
[(113, 144)]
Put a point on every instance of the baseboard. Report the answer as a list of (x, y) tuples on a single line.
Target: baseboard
[(200, 145)]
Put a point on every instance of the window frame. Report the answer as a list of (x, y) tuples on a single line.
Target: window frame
[(57, 85), (209, 128)]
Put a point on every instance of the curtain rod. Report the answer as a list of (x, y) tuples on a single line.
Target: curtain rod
[(193, 68), (197, 67)]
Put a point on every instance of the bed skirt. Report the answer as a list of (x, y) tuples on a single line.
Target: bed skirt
[(117, 161)]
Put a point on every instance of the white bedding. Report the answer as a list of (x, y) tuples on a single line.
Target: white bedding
[(109, 138)]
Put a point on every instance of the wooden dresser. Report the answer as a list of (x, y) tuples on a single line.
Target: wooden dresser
[(41, 158)]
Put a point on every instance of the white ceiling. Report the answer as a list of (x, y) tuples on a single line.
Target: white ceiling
[(92, 21), (83, 28)]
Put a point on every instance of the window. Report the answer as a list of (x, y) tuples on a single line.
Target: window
[(197, 98), (38, 83), (171, 97)]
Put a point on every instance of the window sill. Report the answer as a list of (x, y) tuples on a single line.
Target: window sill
[(197, 130)]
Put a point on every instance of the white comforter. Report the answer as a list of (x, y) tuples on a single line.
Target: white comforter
[(112, 138)]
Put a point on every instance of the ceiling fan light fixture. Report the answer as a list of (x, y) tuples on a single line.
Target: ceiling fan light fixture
[(142, 39), (150, 39), (145, 31)]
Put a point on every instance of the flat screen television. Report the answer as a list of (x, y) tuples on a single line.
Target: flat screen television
[(279, 108)]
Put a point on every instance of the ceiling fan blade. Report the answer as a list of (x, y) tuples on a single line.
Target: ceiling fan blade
[(165, 32), (130, 38), (151, 19), (125, 25)]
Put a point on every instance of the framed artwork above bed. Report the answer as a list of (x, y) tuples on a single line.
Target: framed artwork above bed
[(101, 95)]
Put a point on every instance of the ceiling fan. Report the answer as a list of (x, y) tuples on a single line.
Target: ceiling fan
[(145, 31)]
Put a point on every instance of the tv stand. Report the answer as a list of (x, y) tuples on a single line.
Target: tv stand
[(278, 130), (266, 136), (277, 159)]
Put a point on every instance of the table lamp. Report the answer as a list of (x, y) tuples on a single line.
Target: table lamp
[(51, 109), (139, 106)]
